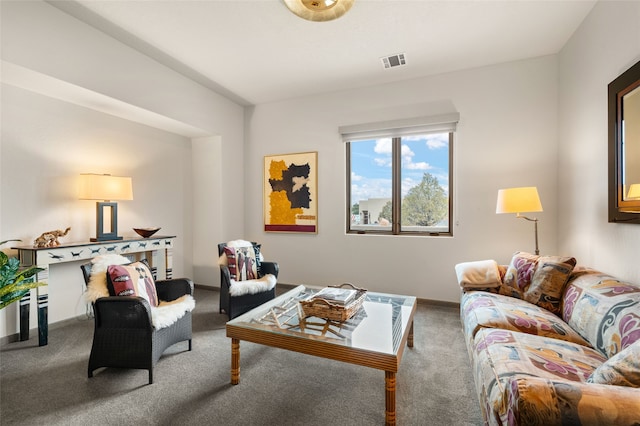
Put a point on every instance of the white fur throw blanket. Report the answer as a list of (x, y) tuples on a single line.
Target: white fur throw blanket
[(240, 288), (478, 274), (165, 314)]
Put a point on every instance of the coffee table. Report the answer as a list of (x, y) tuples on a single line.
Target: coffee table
[(374, 337)]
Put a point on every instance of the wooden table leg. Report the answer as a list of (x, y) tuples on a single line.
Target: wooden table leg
[(390, 398), (410, 338), (235, 361)]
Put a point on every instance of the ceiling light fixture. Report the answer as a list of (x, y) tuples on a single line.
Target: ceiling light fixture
[(319, 10)]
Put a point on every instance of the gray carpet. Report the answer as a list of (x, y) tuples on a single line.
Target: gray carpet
[(49, 385)]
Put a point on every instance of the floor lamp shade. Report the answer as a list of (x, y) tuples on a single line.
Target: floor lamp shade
[(105, 189), (520, 200)]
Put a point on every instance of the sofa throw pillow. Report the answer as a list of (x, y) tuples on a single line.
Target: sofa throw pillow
[(622, 369), (519, 274), (256, 249), (549, 281), (97, 286), (134, 279), (241, 262)]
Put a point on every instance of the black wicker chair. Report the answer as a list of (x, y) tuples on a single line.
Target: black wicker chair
[(234, 306), (124, 336)]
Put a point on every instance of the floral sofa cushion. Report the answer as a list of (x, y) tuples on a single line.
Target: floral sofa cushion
[(549, 281), (486, 310), (543, 401), (519, 274), (604, 310), (500, 355), (540, 280), (622, 369)]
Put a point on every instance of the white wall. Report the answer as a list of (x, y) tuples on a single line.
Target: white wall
[(606, 44), (38, 39), (208, 212), (506, 137), (46, 144)]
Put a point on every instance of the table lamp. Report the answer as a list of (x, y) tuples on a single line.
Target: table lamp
[(105, 189), (519, 200)]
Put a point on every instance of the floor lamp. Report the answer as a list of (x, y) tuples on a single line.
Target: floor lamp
[(105, 189), (519, 200)]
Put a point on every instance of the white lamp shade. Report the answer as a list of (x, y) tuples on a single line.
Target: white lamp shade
[(518, 200), (105, 187), (634, 192)]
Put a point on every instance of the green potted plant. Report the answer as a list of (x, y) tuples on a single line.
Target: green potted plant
[(15, 282)]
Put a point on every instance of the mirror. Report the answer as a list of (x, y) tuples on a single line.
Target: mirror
[(624, 147)]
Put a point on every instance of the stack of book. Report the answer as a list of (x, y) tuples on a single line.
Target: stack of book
[(337, 296)]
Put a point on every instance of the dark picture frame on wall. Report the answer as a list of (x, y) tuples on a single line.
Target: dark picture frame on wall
[(290, 188), (624, 147)]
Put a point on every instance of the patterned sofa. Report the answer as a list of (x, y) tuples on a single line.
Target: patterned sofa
[(550, 343)]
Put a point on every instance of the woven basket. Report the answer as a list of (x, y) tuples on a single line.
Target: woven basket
[(322, 308)]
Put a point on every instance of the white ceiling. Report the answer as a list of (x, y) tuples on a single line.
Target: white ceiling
[(257, 51)]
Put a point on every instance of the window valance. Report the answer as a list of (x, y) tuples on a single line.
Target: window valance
[(403, 127)]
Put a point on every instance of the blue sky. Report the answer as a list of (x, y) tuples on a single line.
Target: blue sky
[(371, 164)]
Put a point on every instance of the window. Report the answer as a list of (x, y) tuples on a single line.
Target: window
[(399, 178)]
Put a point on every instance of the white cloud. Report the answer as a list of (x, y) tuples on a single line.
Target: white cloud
[(383, 146), (417, 166), (371, 188), (438, 141), (383, 162), (406, 152), (407, 160)]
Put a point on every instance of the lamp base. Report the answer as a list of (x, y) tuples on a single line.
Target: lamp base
[(98, 239), (106, 214)]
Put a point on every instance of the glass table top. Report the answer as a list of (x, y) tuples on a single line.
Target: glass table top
[(379, 325)]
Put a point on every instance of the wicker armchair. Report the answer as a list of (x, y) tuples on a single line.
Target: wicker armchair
[(124, 336), (234, 306)]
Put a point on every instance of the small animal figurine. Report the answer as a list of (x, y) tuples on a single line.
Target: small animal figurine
[(50, 238)]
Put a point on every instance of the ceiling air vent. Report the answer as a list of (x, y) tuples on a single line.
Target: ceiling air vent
[(393, 60)]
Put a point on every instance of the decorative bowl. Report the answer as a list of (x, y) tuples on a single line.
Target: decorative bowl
[(146, 232)]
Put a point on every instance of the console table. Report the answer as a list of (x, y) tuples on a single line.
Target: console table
[(45, 257)]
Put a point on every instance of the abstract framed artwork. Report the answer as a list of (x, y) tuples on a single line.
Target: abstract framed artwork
[(291, 193)]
